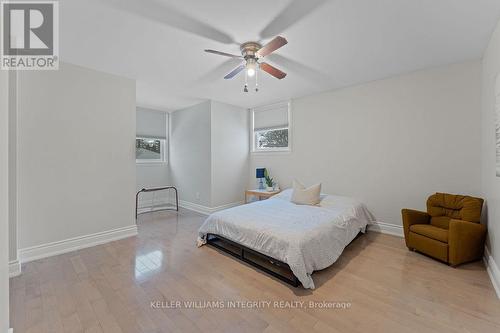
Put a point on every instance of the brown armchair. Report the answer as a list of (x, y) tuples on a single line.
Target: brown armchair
[(450, 229)]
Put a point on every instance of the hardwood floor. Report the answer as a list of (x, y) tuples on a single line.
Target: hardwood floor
[(109, 288)]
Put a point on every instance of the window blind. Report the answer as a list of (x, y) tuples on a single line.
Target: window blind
[(271, 117), (151, 123)]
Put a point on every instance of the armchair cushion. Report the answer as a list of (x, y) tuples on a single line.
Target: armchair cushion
[(441, 221), (443, 207), (430, 231)]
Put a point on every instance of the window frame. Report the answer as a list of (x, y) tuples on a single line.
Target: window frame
[(163, 152), (253, 146)]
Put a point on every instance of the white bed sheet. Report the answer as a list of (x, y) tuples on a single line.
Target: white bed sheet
[(307, 238)]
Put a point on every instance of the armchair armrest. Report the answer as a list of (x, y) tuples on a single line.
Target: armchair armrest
[(411, 217), (465, 241)]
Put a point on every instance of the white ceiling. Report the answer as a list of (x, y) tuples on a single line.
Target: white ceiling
[(331, 43)]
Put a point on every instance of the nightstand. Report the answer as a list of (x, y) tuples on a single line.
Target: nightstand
[(260, 194)]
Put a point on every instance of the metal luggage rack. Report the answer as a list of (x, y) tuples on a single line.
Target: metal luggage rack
[(154, 189)]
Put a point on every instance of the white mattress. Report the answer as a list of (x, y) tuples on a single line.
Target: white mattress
[(307, 238)]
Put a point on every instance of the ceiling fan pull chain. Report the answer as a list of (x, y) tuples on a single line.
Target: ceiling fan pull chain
[(245, 89), (256, 79)]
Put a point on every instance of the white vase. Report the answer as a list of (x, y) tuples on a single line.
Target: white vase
[(269, 189)]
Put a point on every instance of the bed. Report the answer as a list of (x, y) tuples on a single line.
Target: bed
[(301, 237)]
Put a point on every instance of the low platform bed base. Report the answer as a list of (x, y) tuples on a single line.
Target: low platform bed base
[(271, 266)]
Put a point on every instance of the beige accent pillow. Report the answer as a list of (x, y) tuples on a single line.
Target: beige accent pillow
[(306, 196)]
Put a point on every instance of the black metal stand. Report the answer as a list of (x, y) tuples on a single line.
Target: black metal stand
[(153, 190), (265, 263)]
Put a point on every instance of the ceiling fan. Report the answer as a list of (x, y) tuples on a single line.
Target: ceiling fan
[(252, 53)]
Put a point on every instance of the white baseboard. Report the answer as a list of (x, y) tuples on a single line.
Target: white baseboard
[(204, 209), (493, 271), (195, 207), (386, 228), (76, 243), (160, 203), (156, 207), (14, 268), (153, 209)]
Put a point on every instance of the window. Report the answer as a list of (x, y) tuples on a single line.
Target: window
[(150, 150), (151, 138), (271, 128)]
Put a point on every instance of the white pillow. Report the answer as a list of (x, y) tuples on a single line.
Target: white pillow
[(306, 196)]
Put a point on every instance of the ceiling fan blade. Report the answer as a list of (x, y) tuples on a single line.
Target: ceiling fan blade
[(223, 54), (235, 71), (215, 73), (272, 70), (165, 14), (169, 15), (272, 46), (291, 14)]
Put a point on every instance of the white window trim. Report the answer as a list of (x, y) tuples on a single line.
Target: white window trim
[(266, 151), (163, 159)]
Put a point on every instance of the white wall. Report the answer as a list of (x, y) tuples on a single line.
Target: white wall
[(389, 143), (76, 154), (190, 153), (491, 183), (209, 154), (230, 149), (4, 201), (152, 123), (13, 166)]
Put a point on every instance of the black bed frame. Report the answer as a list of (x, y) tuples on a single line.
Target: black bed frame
[(271, 266)]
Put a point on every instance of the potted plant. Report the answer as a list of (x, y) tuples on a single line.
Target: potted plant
[(269, 181)]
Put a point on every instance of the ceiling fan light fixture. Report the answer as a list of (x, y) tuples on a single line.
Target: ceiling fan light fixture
[(252, 54), (251, 67)]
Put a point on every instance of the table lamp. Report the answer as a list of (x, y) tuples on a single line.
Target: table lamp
[(259, 174)]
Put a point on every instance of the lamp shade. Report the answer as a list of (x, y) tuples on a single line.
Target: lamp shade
[(259, 173)]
